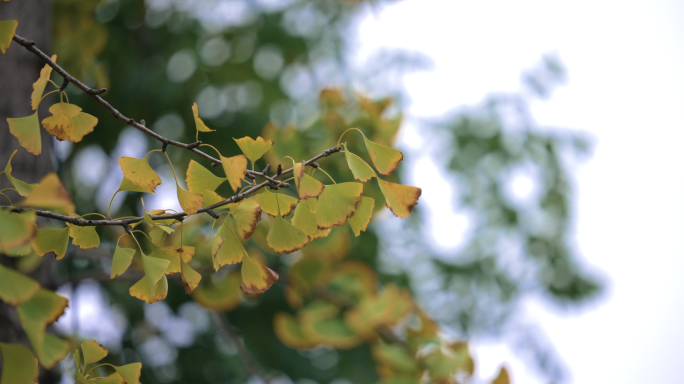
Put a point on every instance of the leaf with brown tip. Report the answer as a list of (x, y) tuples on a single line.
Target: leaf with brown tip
[(337, 203), (307, 186), (386, 159), (399, 198), (256, 277)]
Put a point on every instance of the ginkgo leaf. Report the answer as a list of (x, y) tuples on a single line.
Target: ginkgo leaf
[(287, 328), (256, 277), (130, 372), (360, 169), (15, 287), (27, 131), (16, 230), (19, 366), (173, 254), (284, 237), (337, 203), (148, 219), (253, 149), (139, 172), (246, 214), (92, 352), (68, 123), (50, 193), (400, 199), (44, 308), (307, 186), (141, 290), (114, 378), (121, 260), (22, 188), (236, 169), (189, 201), (359, 222), (190, 277), (199, 178), (7, 30), (319, 323), (154, 271), (230, 250), (51, 240), (126, 185), (84, 237), (304, 218), (272, 202), (222, 295), (199, 124), (386, 159), (210, 197), (39, 85)]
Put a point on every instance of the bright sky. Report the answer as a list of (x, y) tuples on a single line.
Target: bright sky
[(625, 61)]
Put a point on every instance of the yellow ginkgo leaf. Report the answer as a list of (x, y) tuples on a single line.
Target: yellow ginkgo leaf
[(27, 131), (15, 287), (44, 308), (246, 214), (189, 201), (16, 230), (256, 277), (271, 203), (7, 30), (130, 372), (199, 178), (39, 85), (304, 218), (92, 352), (360, 169), (174, 254), (190, 277), (222, 295), (284, 237), (359, 222), (19, 366), (114, 378), (216, 243), (68, 123), (230, 251), (84, 237), (254, 149), (199, 124), (126, 185), (307, 186), (236, 169), (22, 188), (210, 197), (50, 193), (141, 290), (154, 270), (51, 240), (386, 159), (121, 260), (337, 203), (139, 172), (399, 198)]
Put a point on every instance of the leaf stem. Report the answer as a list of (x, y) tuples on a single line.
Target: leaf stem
[(8, 199), (342, 135), (94, 213), (326, 173), (171, 164)]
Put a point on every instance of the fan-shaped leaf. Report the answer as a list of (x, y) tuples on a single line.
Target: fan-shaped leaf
[(15, 287), (22, 188), (139, 172), (173, 254), (189, 201), (386, 159), (68, 122), (16, 230), (337, 203), (199, 124), (399, 198), (210, 197), (272, 202), (284, 237), (253, 149), (141, 290), (130, 372), (51, 240), (154, 270), (19, 366), (84, 237), (190, 277), (246, 214), (126, 185), (307, 186), (199, 178), (121, 260), (114, 378), (256, 277), (92, 352), (360, 169), (359, 222), (50, 193), (7, 30), (27, 131), (236, 169), (304, 217), (230, 251), (39, 85), (44, 308), (222, 295)]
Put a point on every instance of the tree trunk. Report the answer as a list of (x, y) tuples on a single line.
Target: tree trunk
[(19, 69)]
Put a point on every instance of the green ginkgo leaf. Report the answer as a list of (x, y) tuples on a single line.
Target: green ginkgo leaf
[(22, 188), (84, 237), (44, 308), (19, 366), (130, 372), (39, 85), (304, 218), (256, 277), (190, 277), (230, 251), (50, 193), (272, 203), (174, 254), (254, 149), (236, 169), (92, 352), (15, 287), (307, 186), (362, 216), (386, 159), (222, 295), (246, 214), (154, 268), (337, 203), (189, 201), (141, 290), (199, 124), (360, 169), (7, 30), (121, 260), (27, 131), (400, 199), (284, 237), (16, 230), (51, 240), (199, 178), (139, 172), (114, 378)]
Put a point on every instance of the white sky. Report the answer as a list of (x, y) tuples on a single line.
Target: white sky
[(625, 61)]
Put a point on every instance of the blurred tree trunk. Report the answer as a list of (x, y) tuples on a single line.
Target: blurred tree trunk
[(18, 70)]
